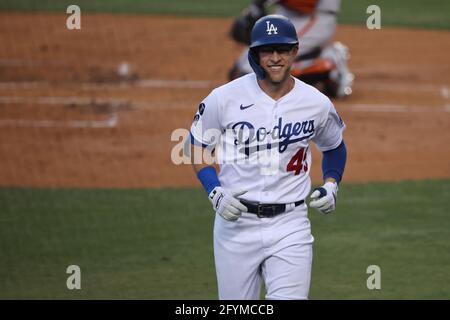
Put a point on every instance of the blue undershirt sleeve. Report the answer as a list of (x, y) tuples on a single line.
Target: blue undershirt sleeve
[(208, 178), (333, 162)]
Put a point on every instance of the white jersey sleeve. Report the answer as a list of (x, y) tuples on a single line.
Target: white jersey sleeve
[(329, 133), (328, 5), (206, 128)]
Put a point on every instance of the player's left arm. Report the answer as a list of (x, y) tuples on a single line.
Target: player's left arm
[(333, 166), (330, 141)]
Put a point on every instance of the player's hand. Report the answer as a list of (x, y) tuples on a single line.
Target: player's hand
[(324, 197), (226, 203)]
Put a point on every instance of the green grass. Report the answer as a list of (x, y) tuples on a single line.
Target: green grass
[(416, 13), (401, 227), (178, 7), (408, 13), (157, 243), (145, 244)]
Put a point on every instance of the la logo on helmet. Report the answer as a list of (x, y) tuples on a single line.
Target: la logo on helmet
[(271, 28)]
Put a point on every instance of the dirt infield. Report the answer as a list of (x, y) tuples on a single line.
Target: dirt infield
[(96, 107)]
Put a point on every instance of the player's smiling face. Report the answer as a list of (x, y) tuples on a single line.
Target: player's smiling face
[(276, 60)]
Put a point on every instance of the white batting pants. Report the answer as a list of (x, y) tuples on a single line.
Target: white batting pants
[(277, 250)]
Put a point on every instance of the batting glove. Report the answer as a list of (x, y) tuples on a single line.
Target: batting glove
[(226, 203), (324, 197)]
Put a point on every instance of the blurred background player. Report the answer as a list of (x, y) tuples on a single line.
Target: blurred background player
[(320, 62)]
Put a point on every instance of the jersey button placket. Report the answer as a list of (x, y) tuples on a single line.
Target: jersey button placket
[(274, 121), (268, 141)]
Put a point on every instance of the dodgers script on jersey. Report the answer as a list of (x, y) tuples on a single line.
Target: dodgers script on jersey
[(262, 145)]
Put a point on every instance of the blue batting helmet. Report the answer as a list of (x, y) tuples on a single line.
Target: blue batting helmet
[(270, 30)]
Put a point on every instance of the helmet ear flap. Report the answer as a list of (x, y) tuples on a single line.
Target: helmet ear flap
[(253, 59)]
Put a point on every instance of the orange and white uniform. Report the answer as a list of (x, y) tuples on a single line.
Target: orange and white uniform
[(315, 21)]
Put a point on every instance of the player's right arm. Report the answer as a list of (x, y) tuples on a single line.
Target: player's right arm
[(195, 149), (205, 134)]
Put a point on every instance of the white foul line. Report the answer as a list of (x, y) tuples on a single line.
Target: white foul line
[(362, 107), (154, 83), (207, 84), (397, 87), (189, 84), (110, 122), (107, 123), (144, 83), (61, 100)]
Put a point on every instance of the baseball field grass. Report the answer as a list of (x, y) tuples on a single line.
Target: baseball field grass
[(416, 13), (157, 243)]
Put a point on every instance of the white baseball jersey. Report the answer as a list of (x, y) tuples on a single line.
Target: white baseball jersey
[(328, 5), (263, 144)]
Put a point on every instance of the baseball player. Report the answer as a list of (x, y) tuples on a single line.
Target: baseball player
[(260, 127), (315, 22)]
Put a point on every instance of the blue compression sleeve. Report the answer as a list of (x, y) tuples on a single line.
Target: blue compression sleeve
[(333, 162), (208, 178)]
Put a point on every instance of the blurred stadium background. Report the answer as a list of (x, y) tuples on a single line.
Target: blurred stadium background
[(86, 178)]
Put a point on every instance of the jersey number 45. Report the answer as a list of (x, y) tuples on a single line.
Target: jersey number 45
[(298, 162)]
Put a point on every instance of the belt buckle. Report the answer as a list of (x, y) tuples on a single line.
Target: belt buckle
[(260, 209)]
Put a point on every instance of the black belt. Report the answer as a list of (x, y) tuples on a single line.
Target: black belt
[(267, 210)]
